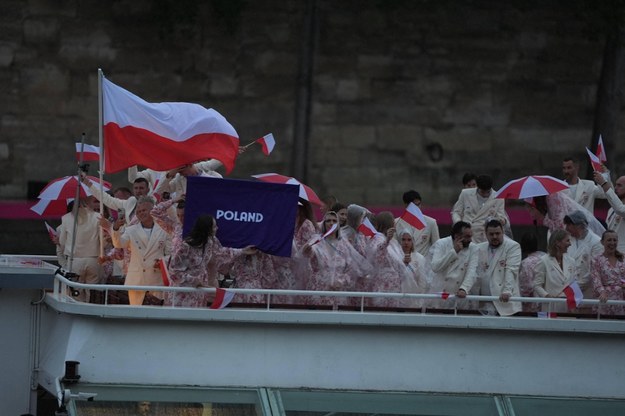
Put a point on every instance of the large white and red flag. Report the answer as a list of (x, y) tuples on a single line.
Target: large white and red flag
[(367, 228), (268, 143), (222, 298), (90, 153), (594, 161), (601, 150), (414, 216), (574, 295), (162, 136)]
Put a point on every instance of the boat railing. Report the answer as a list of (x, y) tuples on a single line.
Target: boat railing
[(63, 288)]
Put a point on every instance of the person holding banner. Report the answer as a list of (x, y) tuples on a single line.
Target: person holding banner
[(336, 265), (196, 262)]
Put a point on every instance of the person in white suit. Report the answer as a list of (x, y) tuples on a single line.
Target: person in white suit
[(499, 260), (582, 191), (555, 271), (584, 246), (476, 206), (453, 260), (616, 214), (147, 243)]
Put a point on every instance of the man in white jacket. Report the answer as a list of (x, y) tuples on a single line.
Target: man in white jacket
[(584, 246), (147, 243), (453, 260), (499, 260)]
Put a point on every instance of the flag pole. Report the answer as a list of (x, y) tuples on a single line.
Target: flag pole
[(101, 162), (76, 207), (249, 144)]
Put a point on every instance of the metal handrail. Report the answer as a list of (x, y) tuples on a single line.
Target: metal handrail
[(62, 284)]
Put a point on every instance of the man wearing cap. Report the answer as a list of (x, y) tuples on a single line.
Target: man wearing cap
[(616, 199), (422, 239), (582, 191), (476, 205), (584, 246), (497, 272)]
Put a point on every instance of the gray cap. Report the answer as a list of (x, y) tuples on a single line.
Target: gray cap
[(576, 218)]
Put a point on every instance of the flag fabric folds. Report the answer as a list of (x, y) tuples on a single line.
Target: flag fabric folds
[(594, 161), (574, 295), (268, 143), (248, 213), (601, 150), (222, 298), (90, 153), (51, 231), (162, 136), (414, 216), (162, 265), (327, 233), (366, 228)]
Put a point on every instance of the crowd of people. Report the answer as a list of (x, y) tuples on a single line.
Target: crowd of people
[(143, 240)]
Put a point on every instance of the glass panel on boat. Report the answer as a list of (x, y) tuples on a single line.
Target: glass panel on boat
[(313, 403), (537, 406), (167, 401)]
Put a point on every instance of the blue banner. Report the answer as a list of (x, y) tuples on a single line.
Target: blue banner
[(247, 212)]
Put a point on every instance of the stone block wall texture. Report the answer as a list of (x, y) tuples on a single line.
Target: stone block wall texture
[(505, 88)]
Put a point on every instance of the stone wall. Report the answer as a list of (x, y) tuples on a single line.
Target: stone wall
[(505, 88)]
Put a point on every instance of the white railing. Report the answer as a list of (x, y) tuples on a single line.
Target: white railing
[(63, 287)]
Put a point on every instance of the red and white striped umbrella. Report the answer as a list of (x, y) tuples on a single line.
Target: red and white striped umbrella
[(65, 188), (51, 207), (304, 191), (531, 186)]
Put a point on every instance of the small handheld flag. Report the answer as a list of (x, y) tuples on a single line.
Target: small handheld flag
[(222, 298), (574, 295), (414, 216), (601, 150), (164, 272), (90, 153), (268, 143), (51, 232), (329, 232), (594, 161), (367, 228)]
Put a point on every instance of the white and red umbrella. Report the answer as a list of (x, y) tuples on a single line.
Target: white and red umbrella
[(65, 188), (531, 186), (51, 207), (304, 191)]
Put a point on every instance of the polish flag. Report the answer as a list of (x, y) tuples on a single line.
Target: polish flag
[(222, 298), (51, 232), (601, 150), (573, 294), (594, 161), (90, 153), (268, 143), (414, 216), (162, 136), (329, 232), (367, 228), (164, 272)]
